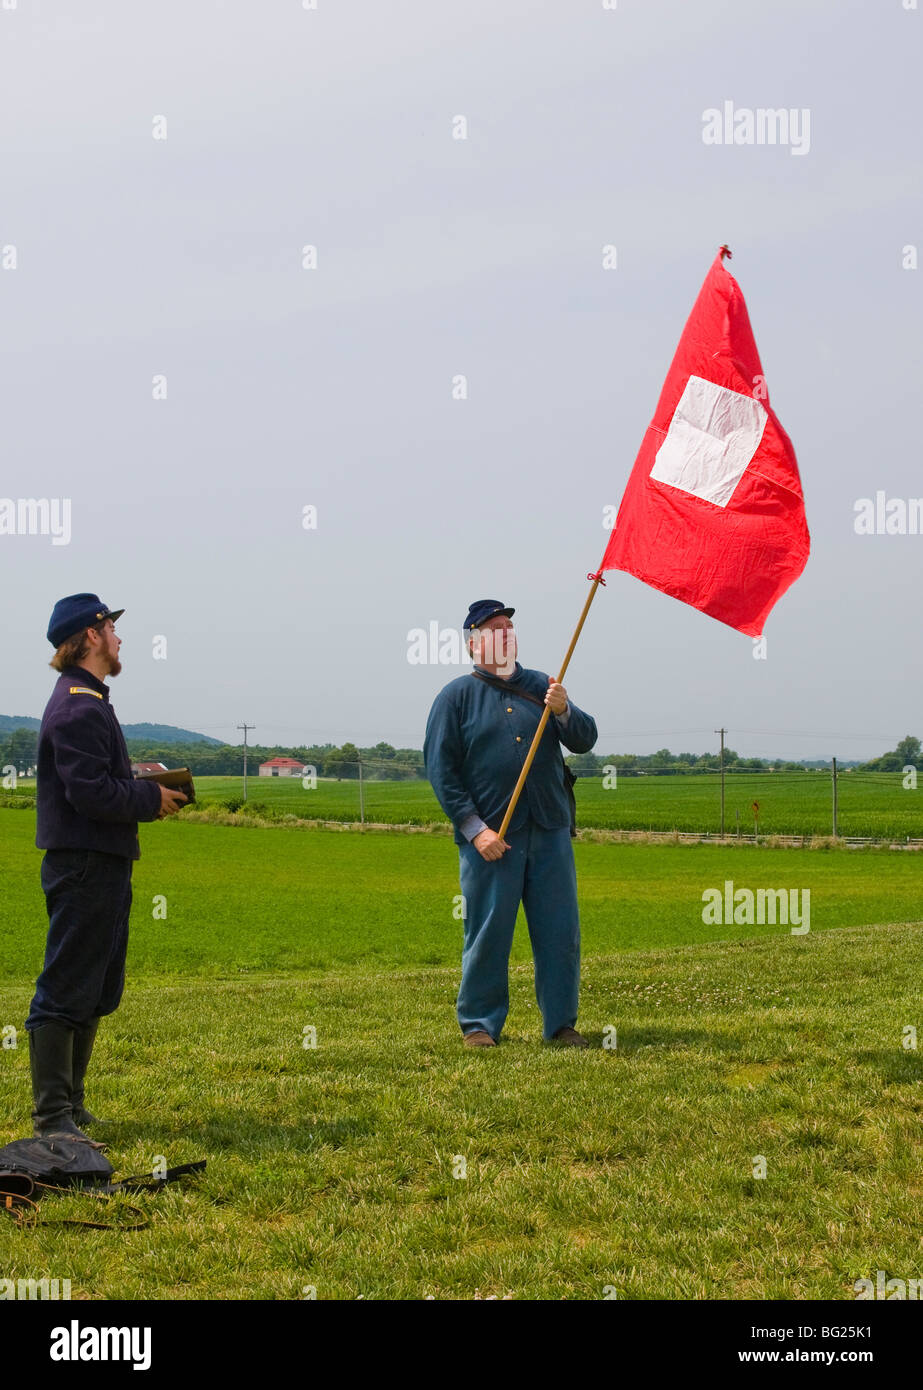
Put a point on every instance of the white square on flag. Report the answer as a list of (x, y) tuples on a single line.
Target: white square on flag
[(713, 435)]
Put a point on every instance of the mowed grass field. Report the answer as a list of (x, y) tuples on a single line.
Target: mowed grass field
[(242, 899), (387, 1162), (789, 803)]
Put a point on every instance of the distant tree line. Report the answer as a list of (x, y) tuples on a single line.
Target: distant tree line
[(383, 762), (663, 763), (19, 749), (379, 763), (906, 754)]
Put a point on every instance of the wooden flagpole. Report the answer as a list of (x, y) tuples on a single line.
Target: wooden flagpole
[(517, 790)]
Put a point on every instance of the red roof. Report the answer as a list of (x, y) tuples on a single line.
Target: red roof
[(282, 762)]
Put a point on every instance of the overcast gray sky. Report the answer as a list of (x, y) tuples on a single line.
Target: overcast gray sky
[(332, 127)]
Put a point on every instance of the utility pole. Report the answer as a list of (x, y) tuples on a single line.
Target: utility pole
[(361, 799), (834, 799), (245, 727), (722, 732)]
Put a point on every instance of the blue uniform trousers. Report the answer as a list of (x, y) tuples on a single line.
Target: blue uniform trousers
[(538, 870), (88, 896)]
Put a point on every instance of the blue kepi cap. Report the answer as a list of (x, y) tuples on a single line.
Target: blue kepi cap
[(483, 609), (75, 612)]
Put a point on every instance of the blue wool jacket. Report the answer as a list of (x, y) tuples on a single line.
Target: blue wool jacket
[(477, 738), (86, 795)]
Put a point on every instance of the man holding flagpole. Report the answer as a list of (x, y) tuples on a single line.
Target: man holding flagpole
[(478, 734), (713, 514)]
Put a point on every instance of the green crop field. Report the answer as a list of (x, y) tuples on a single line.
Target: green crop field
[(387, 1162), (789, 803), (874, 805)]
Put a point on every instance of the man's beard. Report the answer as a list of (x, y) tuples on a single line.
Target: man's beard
[(115, 665)]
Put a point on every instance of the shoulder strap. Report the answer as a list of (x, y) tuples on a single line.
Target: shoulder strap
[(506, 688)]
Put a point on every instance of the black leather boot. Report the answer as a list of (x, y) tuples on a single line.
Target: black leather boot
[(83, 1048), (51, 1058)]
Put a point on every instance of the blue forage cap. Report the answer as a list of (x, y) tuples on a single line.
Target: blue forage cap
[(483, 609), (76, 612)]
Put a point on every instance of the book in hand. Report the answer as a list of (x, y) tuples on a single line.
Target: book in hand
[(179, 778)]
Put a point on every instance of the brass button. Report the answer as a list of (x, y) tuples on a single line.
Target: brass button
[(509, 709), (518, 739)]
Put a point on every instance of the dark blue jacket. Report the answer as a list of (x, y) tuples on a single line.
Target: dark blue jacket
[(87, 797), (477, 738)]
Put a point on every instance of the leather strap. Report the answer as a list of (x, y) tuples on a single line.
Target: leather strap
[(507, 689), (24, 1208), (146, 1182)]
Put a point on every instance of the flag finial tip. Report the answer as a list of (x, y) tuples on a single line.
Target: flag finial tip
[(725, 250)]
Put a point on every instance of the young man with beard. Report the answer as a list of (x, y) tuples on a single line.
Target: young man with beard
[(479, 731), (89, 806)]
